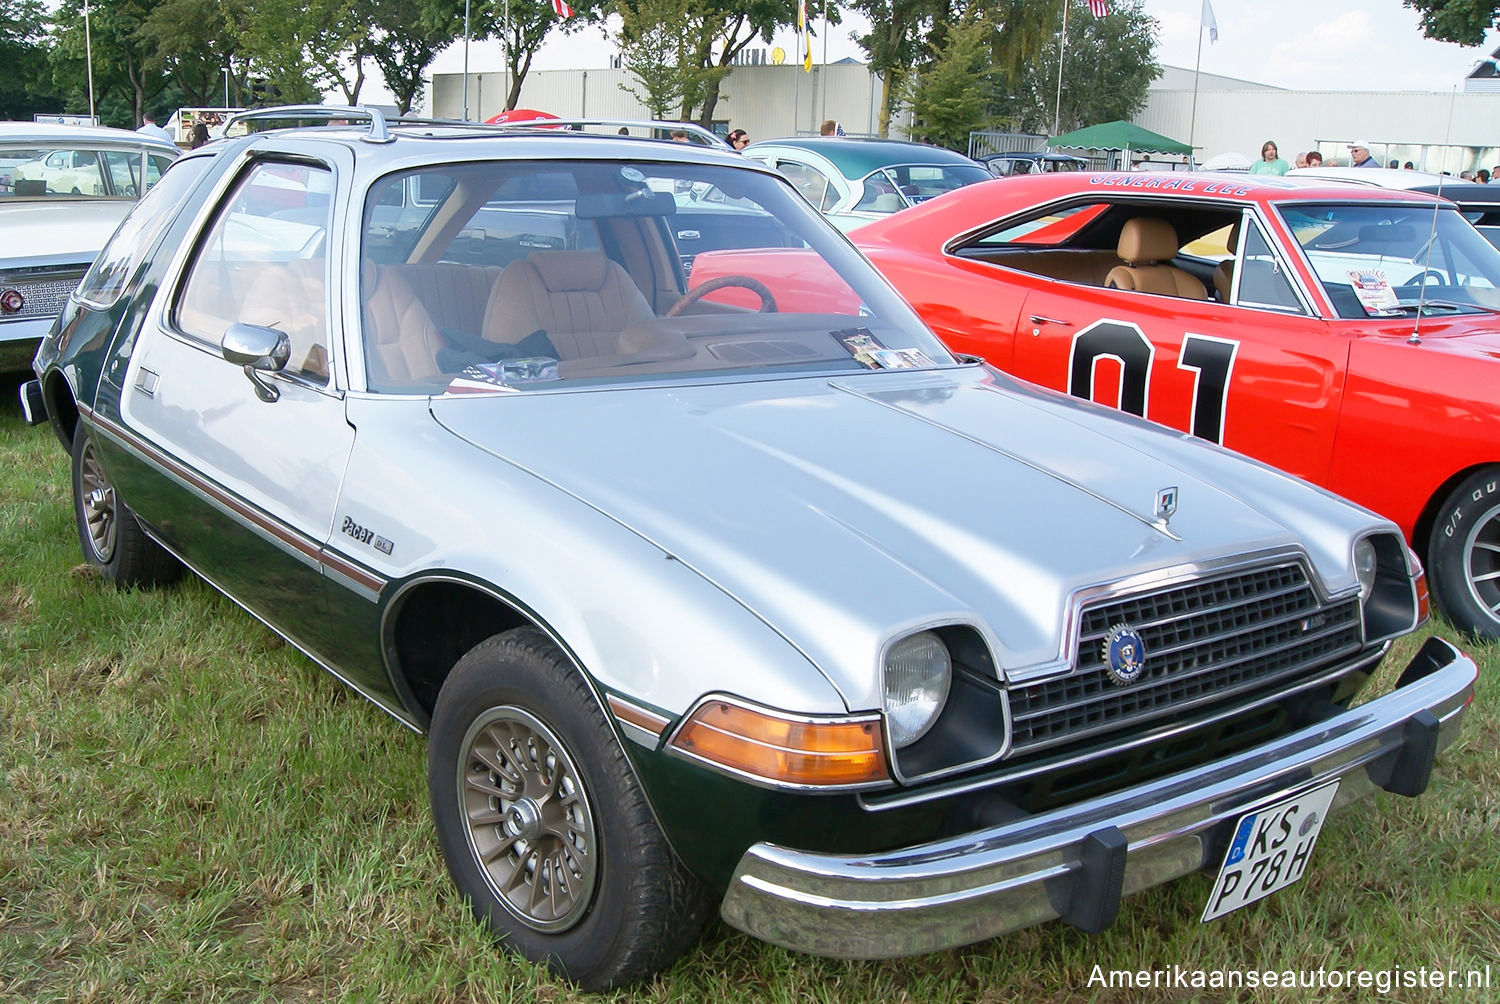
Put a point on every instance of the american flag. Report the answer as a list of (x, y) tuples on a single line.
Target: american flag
[(562, 8), (1098, 8)]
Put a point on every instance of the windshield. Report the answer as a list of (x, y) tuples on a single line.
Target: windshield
[(918, 182), (78, 171), (525, 275), (1375, 260)]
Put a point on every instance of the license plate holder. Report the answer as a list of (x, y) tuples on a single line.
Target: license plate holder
[(1270, 849)]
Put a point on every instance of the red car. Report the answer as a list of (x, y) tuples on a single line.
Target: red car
[(1349, 336)]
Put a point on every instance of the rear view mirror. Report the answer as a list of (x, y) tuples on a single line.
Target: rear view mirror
[(641, 202)]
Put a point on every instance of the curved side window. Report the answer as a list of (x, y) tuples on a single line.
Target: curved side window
[(138, 233)]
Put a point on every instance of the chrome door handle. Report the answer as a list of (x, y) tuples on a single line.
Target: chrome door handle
[(1039, 319)]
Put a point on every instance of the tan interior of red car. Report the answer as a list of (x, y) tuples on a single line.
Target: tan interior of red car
[(1145, 244)]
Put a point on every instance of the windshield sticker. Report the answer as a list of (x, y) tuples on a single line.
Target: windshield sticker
[(1374, 291), (503, 376), (862, 346), (901, 359)]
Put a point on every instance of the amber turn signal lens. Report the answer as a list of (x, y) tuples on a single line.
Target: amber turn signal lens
[(763, 744), (1424, 602)]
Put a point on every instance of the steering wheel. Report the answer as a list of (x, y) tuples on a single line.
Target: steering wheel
[(692, 296), (1420, 279)]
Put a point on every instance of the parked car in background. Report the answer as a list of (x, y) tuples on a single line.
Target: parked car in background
[(1007, 165), (853, 181), (1342, 333), (63, 190), (779, 607), (1479, 204)]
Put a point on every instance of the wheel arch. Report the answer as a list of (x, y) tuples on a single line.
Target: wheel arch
[(1422, 529), (62, 408)]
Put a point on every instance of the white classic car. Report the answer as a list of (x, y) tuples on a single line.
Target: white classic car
[(705, 593), (63, 191)]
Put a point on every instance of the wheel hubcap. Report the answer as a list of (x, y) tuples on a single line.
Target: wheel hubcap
[(97, 496), (528, 818), (1482, 556)]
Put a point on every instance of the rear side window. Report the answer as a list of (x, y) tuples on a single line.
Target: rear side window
[(139, 231)]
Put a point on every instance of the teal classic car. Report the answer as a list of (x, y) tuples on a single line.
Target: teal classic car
[(709, 598), (853, 181)]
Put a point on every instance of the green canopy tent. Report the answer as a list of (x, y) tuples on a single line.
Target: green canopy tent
[(1119, 136)]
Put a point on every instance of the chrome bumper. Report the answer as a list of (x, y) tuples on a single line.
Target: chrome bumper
[(1075, 863)]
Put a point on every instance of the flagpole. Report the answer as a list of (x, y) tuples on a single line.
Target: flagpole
[(824, 71), (1193, 115), (466, 60), (88, 57), (1062, 41), (505, 101)]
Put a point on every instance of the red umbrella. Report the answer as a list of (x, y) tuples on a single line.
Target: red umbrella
[(518, 115)]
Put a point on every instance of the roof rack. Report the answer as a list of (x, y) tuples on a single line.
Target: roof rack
[(696, 133), (329, 113)]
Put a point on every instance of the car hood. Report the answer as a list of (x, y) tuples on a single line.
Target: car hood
[(61, 231), (1475, 335), (844, 512)]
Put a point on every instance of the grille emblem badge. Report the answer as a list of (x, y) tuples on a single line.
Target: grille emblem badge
[(1124, 655), (1166, 504), (11, 301)]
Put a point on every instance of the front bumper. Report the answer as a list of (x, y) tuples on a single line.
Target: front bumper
[(1075, 862)]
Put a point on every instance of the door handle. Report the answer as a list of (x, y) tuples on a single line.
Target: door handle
[(1039, 319)]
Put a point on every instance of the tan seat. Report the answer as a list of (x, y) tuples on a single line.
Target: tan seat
[(1145, 242), (1224, 271), (401, 342), (581, 299)]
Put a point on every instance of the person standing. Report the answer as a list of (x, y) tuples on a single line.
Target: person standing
[(1359, 154), (1314, 159), (1301, 160), (738, 139), (1270, 161), (150, 128)]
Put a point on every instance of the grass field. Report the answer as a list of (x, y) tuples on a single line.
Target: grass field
[(190, 810)]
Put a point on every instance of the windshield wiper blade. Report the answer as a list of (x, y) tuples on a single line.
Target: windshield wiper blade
[(1447, 305)]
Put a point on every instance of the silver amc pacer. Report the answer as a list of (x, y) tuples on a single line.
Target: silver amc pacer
[(705, 602)]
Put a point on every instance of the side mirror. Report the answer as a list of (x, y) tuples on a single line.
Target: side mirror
[(258, 349)]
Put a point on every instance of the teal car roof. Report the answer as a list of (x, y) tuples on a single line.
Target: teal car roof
[(856, 158)]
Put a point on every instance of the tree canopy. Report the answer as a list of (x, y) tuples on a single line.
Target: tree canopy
[(1463, 21)]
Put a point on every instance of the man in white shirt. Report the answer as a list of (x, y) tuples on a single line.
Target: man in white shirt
[(150, 128)]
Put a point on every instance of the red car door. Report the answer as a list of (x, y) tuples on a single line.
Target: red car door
[(1266, 382)]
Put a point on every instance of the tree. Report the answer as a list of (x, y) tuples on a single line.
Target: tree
[(660, 45), (1109, 62), (408, 36), (529, 25), (1463, 21), (894, 43), (128, 73), (26, 85), (306, 47), (954, 93), (195, 42)]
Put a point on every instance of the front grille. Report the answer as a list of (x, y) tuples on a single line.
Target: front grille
[(1242, 634), (44, 290)]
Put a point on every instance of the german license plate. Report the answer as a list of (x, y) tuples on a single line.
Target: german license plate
[(1270, 850)]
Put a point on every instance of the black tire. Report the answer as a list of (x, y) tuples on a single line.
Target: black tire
[(112, 540), (1463, 555), (622, 906)]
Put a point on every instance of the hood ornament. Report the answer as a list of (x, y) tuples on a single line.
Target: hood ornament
[(1166, 504)]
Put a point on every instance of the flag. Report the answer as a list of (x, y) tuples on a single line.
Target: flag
[(804, 31), (1210, 22), (1099, 8), (561, 8)]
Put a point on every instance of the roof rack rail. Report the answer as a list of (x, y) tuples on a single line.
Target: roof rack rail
[(696, 133), (378, 132)]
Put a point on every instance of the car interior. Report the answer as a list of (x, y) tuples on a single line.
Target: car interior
[(513, 274), (1166, 249)]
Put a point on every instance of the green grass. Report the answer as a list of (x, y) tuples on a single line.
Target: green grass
[(190, 810)]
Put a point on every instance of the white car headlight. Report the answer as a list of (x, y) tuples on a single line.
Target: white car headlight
[(918, 672), (1365, 563)]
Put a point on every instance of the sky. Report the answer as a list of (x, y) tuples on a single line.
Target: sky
[(1301, 44)]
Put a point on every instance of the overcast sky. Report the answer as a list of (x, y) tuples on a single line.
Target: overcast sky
[(1303, 44)]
